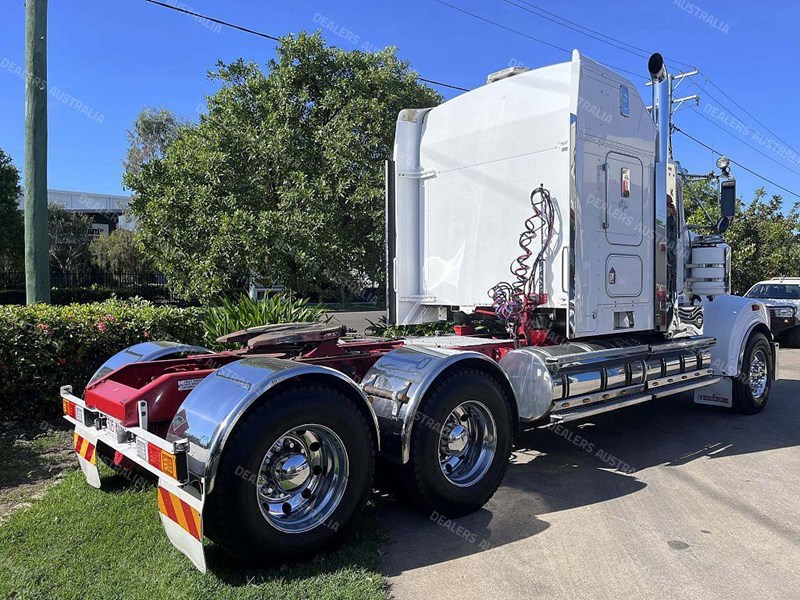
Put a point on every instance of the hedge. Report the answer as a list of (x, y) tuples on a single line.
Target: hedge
[(43, 347)]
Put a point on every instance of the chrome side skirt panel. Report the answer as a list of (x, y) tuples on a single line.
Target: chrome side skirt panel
[(549, 384)]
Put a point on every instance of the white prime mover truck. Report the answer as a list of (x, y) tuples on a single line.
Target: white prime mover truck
[(611, 300)]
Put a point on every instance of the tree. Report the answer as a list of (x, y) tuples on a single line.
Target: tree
[(12, 228), (117, 252), (282, 179), (765, 241), (70, 235), (153, 131)]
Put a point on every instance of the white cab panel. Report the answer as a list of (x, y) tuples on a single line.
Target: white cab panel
[(464, 174)]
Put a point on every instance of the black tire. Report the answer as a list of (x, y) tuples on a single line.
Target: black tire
[(233, 515), (424, 484), (748, 399)]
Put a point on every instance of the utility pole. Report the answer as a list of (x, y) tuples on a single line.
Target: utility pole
[(37, 244)]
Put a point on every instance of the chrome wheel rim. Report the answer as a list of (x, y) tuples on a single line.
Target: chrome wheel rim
[(302, 478), (758, 375), (467, 443)]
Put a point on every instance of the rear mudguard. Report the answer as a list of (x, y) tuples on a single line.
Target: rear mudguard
[(398, 382), (144, 352), (211, 411)]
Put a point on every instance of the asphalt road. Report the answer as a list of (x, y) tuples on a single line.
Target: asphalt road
[(710, 510)]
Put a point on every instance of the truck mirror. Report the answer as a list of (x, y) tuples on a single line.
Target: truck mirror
[(723, 224), (727, 198)]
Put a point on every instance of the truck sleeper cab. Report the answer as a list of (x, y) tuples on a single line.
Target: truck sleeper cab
[(270, 450)]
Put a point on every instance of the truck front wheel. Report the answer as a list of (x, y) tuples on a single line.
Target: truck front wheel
[(460, 445), (751, 388), (295, 475)]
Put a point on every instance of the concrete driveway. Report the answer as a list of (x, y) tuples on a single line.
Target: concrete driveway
[(711, 510)]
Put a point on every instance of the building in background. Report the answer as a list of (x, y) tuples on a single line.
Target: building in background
[(108, 212)]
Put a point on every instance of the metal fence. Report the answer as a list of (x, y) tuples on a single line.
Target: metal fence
[(126, 280)]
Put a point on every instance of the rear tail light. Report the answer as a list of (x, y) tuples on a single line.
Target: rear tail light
[(68, 407), (80, 414), (170, 464)]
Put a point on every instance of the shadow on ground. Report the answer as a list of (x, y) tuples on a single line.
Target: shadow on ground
[(551, 471)]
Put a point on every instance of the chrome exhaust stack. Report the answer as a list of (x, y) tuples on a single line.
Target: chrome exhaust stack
[(666, 223), (661, 104)]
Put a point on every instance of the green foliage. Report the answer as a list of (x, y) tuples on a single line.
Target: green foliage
[(245, 312), (383, 329), (117, 252), (78, 542), (11, 226), (282, 179), (43, 347), (153, 130), (70, 235), (764, 240)]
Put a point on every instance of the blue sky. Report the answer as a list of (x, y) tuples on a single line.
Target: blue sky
[(114, 58)]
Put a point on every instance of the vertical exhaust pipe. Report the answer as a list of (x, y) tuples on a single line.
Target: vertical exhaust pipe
[(665, 226), (661, 104)]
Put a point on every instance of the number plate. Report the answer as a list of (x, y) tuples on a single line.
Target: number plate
[(116, 429)]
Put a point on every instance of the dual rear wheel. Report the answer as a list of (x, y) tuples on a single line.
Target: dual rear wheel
[(296, 474)]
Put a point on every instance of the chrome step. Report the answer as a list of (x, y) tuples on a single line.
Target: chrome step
[(589, 410)]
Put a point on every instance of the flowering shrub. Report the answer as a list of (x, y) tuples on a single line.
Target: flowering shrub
[(44, 347)]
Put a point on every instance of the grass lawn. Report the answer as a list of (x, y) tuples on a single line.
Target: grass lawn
[(78, 542)]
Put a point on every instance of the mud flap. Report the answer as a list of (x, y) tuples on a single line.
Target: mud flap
[(181, 515), (716, 394), (85, 445)]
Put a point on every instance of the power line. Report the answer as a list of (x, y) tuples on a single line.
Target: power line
[(523, 34), (639, 52), (598, 37), (770, 143), (447, 85), (509, 29), (744, 109), (717, 152), (485, 20), (767, 156), (606, 39), (213, 20), (272, 37)]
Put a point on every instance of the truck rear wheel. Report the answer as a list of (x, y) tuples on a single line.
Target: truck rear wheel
[(751, 388), (295, 475), (460, 445)]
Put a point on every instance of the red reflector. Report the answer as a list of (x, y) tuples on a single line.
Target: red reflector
[(756, 307), (154, 455)]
